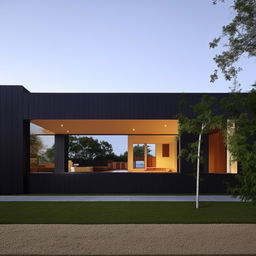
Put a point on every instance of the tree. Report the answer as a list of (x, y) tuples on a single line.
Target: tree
[(239, 37), (138, 150), (119, 158), (88, 148), (123, 157), (203, 122), (242, 143), (36, 145), (48, 156)]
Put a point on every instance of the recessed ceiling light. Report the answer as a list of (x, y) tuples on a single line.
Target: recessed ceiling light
[(133, 129), (165, 125), (62, 125), (67, 131)]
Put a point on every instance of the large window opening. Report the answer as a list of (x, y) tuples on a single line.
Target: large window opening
[(104, 146), (116, 146), (97, 153)]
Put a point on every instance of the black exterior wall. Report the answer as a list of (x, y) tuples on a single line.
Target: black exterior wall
[(61, 153), (109, 105), (127, 183), (14, 137), (18, 106)]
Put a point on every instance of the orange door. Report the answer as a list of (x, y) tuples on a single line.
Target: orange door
[(217, 153)]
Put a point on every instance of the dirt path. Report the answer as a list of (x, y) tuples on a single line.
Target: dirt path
[(164, 239)]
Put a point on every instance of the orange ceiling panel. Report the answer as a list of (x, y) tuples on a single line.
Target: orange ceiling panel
[(108, 126)]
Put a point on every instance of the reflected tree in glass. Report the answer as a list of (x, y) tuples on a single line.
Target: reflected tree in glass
[(138, 156)]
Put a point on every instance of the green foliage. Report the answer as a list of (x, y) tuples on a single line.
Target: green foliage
[(138, 150), (36, 145), (48, 156), (38, 152), (242, 144), (119, 158), (204, 116), (190, 154), (88, 148), (239, 37)]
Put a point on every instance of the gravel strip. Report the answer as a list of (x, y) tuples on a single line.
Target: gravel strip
[(141, 239)]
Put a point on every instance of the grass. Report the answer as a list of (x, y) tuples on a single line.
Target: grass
[(125, 212)]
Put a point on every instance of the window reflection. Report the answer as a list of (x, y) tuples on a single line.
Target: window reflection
[(42, 153), (138, 156)]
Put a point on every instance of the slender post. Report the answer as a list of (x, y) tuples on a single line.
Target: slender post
[(198, 165)]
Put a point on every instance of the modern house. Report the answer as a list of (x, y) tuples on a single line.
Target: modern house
[(149, 120)]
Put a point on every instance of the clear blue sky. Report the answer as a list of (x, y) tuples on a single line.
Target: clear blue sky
[(112, 45)]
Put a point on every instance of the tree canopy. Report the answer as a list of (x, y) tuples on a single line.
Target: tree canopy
[(239, 37), (242, 144), (205, 119), (36, 145), (88, 148), (240, 40)]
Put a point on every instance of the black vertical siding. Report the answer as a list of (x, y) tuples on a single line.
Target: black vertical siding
[(109, 105), (11, 139), (61, 153), (127, 183), (18, 106)]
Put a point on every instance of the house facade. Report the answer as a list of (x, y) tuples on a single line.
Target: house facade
[(149, 120)]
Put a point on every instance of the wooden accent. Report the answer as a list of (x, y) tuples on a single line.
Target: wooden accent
[(151, 161), (101, 126), (42, 167), (165, 150), (82, 169), (153, 169), (217, 153)]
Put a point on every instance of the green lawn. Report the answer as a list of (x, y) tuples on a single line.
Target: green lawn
[(126, 212)]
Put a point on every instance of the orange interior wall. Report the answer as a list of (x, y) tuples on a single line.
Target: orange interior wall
[(151, 161), (217, 153)]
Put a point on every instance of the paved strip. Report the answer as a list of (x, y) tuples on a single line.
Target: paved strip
[(174, 239), (52, 198)]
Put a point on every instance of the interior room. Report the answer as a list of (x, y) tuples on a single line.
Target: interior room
[(148, 146), (151, 145)]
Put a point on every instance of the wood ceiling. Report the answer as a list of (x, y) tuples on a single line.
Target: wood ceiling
[(95, 127)]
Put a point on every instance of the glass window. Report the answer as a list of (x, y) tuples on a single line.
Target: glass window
[(42, 153), (138, 156)]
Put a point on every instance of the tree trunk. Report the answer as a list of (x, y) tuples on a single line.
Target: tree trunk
[(198, 165)]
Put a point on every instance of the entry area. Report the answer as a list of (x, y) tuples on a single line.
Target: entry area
[(106, 146)]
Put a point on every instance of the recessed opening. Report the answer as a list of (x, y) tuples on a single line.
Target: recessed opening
[(93, 144)]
